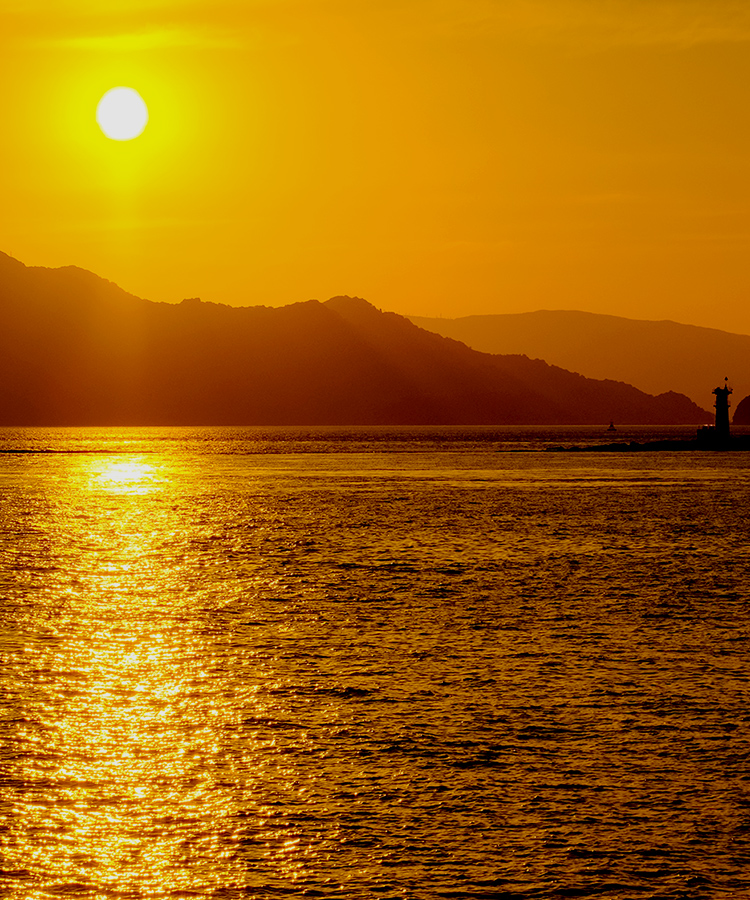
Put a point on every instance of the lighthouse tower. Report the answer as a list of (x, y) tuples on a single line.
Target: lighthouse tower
[(722, 412)]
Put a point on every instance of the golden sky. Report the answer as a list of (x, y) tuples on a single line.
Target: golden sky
[(437, 157)]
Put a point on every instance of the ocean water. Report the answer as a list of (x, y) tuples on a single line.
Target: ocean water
[(371, 663)]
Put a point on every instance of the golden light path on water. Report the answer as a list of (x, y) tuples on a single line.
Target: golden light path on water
[(133, 783)]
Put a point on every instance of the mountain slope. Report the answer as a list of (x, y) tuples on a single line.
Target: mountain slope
[(76, 349), (653, 356)]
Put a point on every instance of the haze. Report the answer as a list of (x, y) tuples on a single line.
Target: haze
[(438, 158)]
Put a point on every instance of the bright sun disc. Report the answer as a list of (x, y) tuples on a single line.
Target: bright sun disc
[(121, 114)]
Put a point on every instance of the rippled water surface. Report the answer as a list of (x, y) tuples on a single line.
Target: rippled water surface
[(367, 663)]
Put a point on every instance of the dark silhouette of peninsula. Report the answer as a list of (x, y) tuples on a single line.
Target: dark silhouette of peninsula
[(77, 350), (653, 356)]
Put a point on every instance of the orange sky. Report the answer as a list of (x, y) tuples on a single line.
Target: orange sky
[(437, 157)]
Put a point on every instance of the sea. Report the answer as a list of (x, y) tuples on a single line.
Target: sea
[(382, 663)]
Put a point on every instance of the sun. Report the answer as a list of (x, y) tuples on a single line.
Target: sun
[(122, 114)]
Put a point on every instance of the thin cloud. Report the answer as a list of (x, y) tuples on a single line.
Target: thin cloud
[(158, 39), (70, 9), (581, 23), (600, 23)]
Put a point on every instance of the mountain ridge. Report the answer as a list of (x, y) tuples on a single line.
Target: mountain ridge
[(77, 349), (652, 355)]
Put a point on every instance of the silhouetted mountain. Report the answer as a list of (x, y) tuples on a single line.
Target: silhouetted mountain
[(76, 349), (653, 356), (742, 412)]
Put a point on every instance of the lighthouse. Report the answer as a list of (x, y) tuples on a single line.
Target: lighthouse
[(722, 413)]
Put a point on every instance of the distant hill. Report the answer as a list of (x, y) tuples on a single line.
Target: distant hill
[(77, 350), (653, 356), (742, 412)]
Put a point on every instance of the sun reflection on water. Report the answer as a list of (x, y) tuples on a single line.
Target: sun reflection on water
[(119, 742), (124, 476)]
